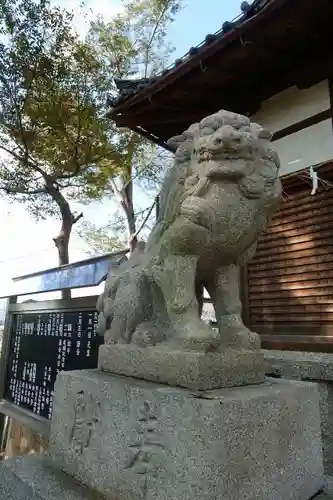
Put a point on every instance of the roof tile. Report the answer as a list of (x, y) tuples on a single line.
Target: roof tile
[(127, 88)]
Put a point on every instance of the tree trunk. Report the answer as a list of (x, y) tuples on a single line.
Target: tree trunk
[(127, 205), (132, 243), (62, 240), (62, 243)]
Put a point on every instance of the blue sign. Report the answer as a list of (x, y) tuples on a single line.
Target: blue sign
[(90, 272)]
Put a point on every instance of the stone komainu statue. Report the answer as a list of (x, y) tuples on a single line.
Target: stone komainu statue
[(216, 199)]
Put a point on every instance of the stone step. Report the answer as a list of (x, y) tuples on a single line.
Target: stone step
[(31, 478)]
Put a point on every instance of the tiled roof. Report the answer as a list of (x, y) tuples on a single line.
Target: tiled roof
[(127, 88)]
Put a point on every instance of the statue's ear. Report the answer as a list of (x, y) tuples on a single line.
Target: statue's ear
[(261, 132)]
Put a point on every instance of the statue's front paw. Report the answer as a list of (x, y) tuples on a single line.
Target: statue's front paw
[(196, 336), (192, 209), (240, 338), (249, 340), (199, 212), (111, 337), (146, 335)]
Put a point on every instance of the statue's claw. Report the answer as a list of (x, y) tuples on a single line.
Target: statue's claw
[(240, 339), (197, 336)]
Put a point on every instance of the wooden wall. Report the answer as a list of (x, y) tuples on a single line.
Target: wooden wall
[(290, 279), (22, 440)]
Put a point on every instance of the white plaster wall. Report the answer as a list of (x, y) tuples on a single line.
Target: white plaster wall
[(310, 146), (306, 148), (292, 106)]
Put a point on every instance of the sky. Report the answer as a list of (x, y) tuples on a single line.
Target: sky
[(26, 245)]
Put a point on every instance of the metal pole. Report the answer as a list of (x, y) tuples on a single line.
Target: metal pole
[(3, 367)]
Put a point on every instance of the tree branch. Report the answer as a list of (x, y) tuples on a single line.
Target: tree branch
[(115, 189), (144, 169), (121, 220), (23, 191), (24, 161), (77, 218), (135, 235), (65, 186), (71, 175), (164, 10), (18, 112), (78, 127)]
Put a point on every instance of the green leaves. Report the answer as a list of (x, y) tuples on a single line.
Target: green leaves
[(134, 43), (52, 117), (56, 142), (100, 239)]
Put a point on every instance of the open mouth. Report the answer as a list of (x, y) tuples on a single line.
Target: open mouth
[(217, 157)]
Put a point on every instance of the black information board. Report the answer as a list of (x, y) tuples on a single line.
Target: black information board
[(42, 345)]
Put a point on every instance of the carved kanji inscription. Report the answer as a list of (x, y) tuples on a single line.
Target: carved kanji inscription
[(87, 417), (148, 445)]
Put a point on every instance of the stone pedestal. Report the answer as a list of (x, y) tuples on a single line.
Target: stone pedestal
[(190, 369), (32, 478), (135, 440)]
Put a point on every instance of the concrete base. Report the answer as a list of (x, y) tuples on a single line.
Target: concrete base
[(135, 440), (190, 369), (30, 478), (316, 367)]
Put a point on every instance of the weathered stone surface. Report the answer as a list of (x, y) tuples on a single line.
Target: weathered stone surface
[(328, 485), (191, 369), (215, 201), (137, 440), (317, 367), (31, 478), (300, 365)]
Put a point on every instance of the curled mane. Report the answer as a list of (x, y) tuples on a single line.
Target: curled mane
[(173, 189)]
